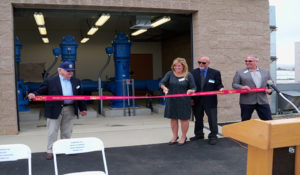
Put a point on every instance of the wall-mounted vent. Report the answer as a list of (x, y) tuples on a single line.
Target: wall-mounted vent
[(142, 22)]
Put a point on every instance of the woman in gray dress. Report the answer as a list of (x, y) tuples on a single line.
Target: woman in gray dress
[(179, 81)]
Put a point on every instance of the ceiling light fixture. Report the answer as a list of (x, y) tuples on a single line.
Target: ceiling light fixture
[(103, 18), (45, 40), (160, 21), (42, 30), (84, 40), (92, 31), (39, 18), (138, 32)]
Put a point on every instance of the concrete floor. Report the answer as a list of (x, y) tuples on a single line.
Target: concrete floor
[(149, 131), (114, 131)]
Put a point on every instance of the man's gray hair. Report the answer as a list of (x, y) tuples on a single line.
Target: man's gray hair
[(254, 56)]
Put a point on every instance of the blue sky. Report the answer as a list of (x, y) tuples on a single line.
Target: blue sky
[(288, 29)]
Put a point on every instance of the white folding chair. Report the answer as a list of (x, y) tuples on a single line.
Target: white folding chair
[(14, 152), (76, 146)]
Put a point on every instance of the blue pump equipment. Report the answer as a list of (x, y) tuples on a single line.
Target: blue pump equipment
[(68, 49), (18, 47), (121, 50), (68, 52), (21, 89)]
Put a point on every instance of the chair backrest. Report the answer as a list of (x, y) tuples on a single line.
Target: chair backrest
[(14, 152), (76, 146)]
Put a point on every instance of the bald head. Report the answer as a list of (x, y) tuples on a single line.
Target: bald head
[(203, 62)]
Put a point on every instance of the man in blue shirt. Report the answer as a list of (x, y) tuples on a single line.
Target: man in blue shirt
[(60, 114), (206, 79)]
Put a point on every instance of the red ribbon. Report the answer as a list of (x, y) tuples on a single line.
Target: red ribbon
[(224, 92)]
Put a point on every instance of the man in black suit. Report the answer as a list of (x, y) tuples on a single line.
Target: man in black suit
[(60, 114), (206, 79)]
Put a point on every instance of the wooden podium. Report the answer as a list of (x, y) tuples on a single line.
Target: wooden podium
[(262, 137)]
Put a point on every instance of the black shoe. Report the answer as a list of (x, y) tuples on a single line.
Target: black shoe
[(172, 143), (181, 144), (212, 141), (196, 138)]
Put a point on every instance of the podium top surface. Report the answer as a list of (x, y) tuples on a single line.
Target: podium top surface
[(266, 134)]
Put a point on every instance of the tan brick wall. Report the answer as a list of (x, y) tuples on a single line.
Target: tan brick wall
[(8, 116), (225, 30)]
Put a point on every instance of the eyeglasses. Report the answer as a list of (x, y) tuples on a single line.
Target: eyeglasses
[(70, 71), (199, 62), (248, 61)]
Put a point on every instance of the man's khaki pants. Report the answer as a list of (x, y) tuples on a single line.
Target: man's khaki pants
[(64, 123)]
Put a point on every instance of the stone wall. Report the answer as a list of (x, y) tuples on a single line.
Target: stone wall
[(225, 30), (8, 108)]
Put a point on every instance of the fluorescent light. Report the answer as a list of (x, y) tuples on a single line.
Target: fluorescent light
[(161, 21), (92, 31), (39, 18), (45, 40), (84, 40), (42, 30), (138, 32), (103, 18)]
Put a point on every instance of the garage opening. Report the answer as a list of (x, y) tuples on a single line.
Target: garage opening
[(150, 55)]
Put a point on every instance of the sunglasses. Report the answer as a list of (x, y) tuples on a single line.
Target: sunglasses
[(69, 70), (248, 61), (199, 62)]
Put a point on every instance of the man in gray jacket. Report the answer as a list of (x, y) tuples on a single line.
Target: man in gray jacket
[(253, 77)]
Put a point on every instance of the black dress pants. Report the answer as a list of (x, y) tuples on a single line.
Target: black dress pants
[(263, 111), (199, 109)]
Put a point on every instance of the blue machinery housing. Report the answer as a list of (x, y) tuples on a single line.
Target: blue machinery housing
[(68, 49)]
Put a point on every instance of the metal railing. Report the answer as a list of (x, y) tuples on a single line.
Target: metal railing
[(126, 84)]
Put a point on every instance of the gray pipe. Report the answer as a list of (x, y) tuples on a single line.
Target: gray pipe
[(99, 84), (48, 70)]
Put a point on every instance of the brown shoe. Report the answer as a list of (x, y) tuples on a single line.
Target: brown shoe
[(49, 156)]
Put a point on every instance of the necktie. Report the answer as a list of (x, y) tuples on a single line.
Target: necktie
[(202, 80)]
